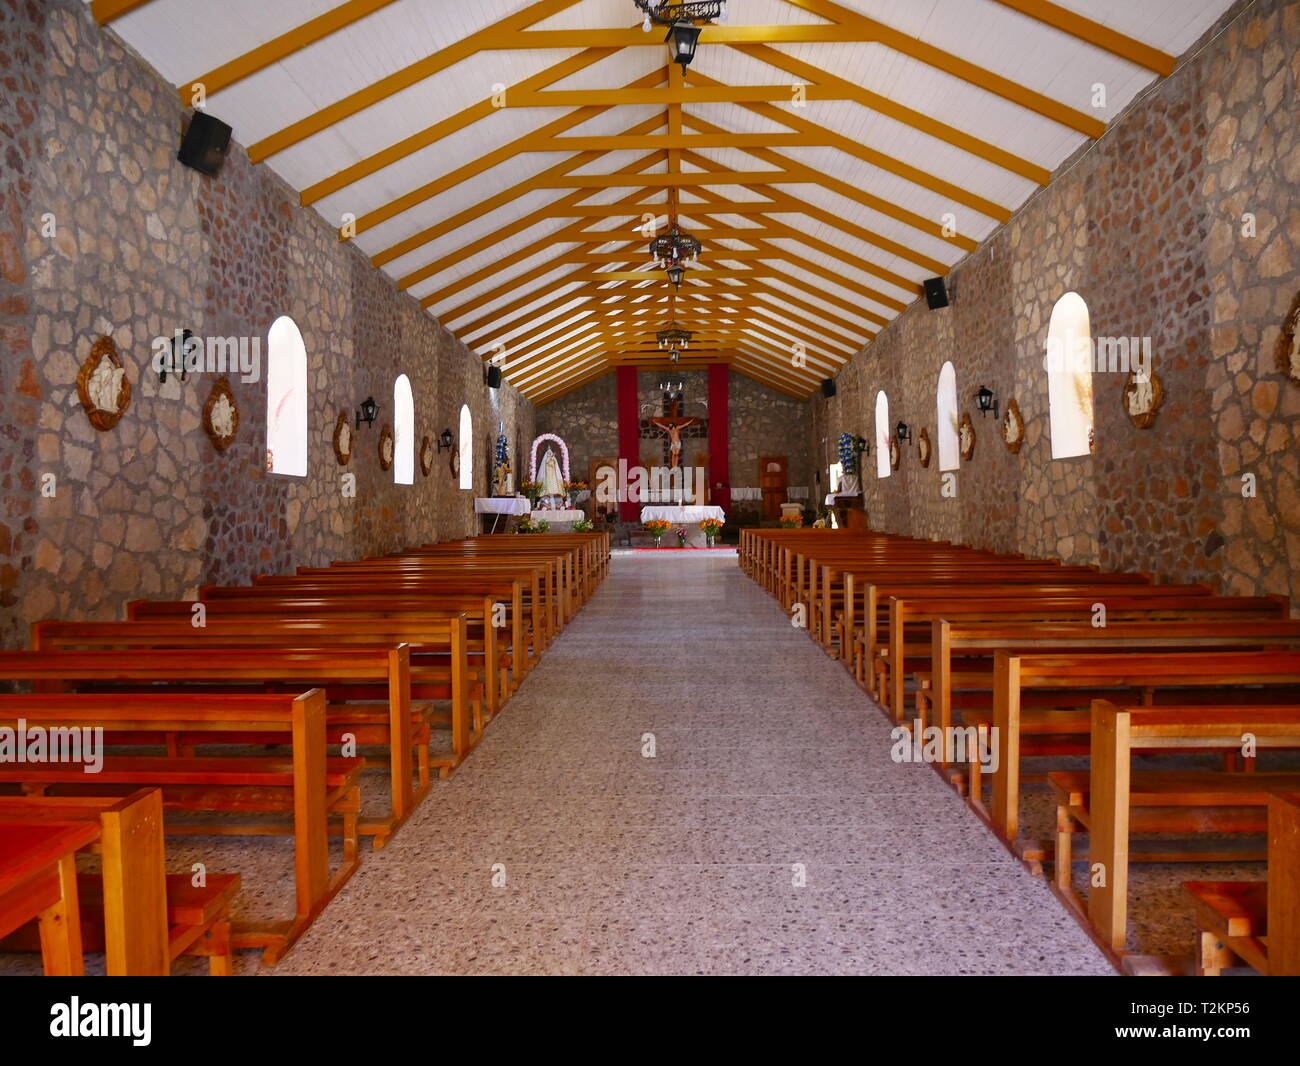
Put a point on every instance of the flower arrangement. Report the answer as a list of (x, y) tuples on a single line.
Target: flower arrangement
[(793, 522), (681, 538), (848, 457), (582, 525), (527, 525), (712, 528), (531, 489), (657, 527), (572, 487)]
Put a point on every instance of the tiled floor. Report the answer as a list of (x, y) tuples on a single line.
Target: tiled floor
[(769, 768), (766, 758)]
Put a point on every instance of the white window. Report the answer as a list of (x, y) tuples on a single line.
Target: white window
[(286, 399), (883, 432), (403, 432), (1069, 377), (946, 405), (466, 448)]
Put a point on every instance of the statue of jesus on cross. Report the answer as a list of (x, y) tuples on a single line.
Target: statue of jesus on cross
[(673, 426)]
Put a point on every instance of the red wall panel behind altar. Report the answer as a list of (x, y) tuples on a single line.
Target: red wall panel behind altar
[(719, 421), (629, 433)]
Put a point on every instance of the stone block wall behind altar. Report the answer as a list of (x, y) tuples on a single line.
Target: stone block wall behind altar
[(143, 246), (1147, 227)]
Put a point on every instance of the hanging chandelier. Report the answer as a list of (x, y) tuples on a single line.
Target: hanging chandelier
[(674, 248), (674, 337)]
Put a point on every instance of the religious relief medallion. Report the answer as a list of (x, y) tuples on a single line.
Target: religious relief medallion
[(966, 436), (386, 448), (221, 415), (102, 386), (895, 454), (426, 455), (1288, 343), (1013, 427), (343, 439), (923, 447), (1143, 396)]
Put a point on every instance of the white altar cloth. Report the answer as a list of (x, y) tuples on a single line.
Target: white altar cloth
[(501, 505), (684, 515), (553, 516)]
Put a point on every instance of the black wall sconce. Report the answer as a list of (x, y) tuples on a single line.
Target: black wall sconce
[(183, 344), (861, 445), (986, 401), (367, 412), (445, 439), (903, 432)]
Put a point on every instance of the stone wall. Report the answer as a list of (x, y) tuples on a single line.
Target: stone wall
[(1152, 226), (103, 232)]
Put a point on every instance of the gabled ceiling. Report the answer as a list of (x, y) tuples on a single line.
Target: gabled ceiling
[(500, 157)]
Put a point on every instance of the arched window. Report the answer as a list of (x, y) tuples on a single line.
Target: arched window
[(403, 432), (466, 448), (946, 404), (1069, 377), (286, 399), (883, 431)]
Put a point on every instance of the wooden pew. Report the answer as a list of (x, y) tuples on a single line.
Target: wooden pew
[(961, 653), (307, 785), (38, 882), (1111, 800), (436, 649), (141, 918), (1254, 921), (1143, 674)]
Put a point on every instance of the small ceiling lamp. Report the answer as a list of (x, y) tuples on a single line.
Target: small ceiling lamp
[(445, 440), (986, 401), (680, 18), (674, 356), (675, 275), (903, 432), (367, 412)]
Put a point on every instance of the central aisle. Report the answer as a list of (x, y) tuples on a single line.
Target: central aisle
[(767, 756)]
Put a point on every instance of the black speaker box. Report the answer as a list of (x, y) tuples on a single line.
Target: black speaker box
[(936, 293), (205, 143), (494, 377), (828, 387)]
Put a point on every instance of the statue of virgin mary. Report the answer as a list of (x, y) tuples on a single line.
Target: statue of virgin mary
[(551, 480)]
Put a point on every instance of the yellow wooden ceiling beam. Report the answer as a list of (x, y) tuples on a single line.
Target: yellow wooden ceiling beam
[(906, 115), (273, 51), (402, 79), (932, 227), (431, 135), (504, 154), (1103, 37), (951, 64), (105, 11)]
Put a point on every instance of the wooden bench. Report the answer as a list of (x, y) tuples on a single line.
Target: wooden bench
[(308, 785), (1111, 801), (438, 667), (141, 918), (241, 669), (1253, 921), (1128, 674), (38, 882)]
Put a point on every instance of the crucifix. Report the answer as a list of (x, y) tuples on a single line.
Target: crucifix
[(672, 424)]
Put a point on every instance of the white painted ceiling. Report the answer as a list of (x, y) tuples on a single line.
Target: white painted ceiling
[(845, 257)]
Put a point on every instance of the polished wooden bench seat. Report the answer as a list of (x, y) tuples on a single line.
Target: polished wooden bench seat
[(307, 786), (1255, 922)]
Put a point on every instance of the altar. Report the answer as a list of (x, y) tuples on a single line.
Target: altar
[(687, 518)]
